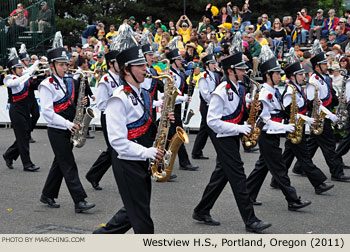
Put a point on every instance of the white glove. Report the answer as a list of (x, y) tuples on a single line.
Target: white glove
[(333, 117), (182, 98), (33, 68), (289, 127), (244, 129), (151, 152), (308, 120), (158, 103)]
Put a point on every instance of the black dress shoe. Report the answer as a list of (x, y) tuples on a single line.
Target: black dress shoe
[(346, 167), (341, 178), (293, 206), (31, 168), (50, 202), (90, 137), (274, 185), (31, 140), (83, 205), (94, 184), (199, 157), (8, 162), (172, 177), (257, 226), (205, 218), (256, 202), (189, 167), (323, 188), (251, 149)]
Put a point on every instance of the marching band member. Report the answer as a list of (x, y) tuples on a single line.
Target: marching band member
[(58, 96), (105, 89), (18, 85), (271, 117), (296, 76), (225, 115), (131, 131), (326, 140), (207, 82), (33, 104), (179, 82)]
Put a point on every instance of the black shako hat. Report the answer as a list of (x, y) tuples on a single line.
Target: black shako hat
[(270, 65), (111, 56), (210, 58), (131, 56), (15, 62), (58, 55), (234, 61), (295, 68), (173, 54), (147, 49), (319, 59), (24, 56)]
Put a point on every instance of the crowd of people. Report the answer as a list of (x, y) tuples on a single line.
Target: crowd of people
[(223, 47)]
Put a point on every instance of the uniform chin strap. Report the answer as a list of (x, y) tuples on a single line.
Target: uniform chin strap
[(234, 72), (133, 76), (270, 74), (176, 65), (296, 80), (319, 65), (54, 66)]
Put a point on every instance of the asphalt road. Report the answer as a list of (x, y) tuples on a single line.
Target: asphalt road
[(172, 202)]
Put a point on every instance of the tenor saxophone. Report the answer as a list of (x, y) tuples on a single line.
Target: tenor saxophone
[(296, 136), (82, 117), (251, 139), (317, 127), (161, 171)]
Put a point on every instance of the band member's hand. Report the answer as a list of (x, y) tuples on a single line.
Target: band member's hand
[(333, 117), (171, 116), (189, 99), (93, 98), (319, 102), (75, 128), (289, 127), (160, 154), (85, 100), (257, 106), (244, 129)]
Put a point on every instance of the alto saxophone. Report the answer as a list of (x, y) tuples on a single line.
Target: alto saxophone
[(161, 171), (317, 127), (342, 109), (251, 139), (82, 117), (296, 136)]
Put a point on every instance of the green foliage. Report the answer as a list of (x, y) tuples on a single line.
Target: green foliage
[(71, 29)]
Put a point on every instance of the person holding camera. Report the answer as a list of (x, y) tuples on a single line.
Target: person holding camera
[(305, 21), (185, 29)]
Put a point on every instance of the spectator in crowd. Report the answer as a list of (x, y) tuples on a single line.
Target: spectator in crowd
[(201, 23), (337, 52), (131, 21), (297, 51), (317, 25), (305, 21), (345, 46), (43, 20), (213, 39), (233, 12), (288, 27), (342, 24), (33, 58), (158, 24), (235, 27), (336, 77), (226, 42), (184, 28), (158, 36), (340, 37), (104, 43), (247, 56), (344, 63), (331, 39), (267, 36), (96, 43), (259, 26), (245, 15), (278, 34), (296, 34), (307, 65), (172, 24), (331, 59), (112, 32), (164, 42), (324, 45), (347, 22), (191, 52), (260, 38), (206, 25), (346, 13), (224, 17), (266, 21), (199, 48), (330, 23), (148, 24), (100, 67), (91, 31), (255, 49), (172, 32), (20, 8)]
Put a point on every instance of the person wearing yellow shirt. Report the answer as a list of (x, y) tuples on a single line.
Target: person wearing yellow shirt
[(158, 36), (196, 75), (185, 29), (111, 32), (259, 37)]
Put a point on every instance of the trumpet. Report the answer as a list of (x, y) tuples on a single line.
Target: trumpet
[(4, 71), (41, 72)]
